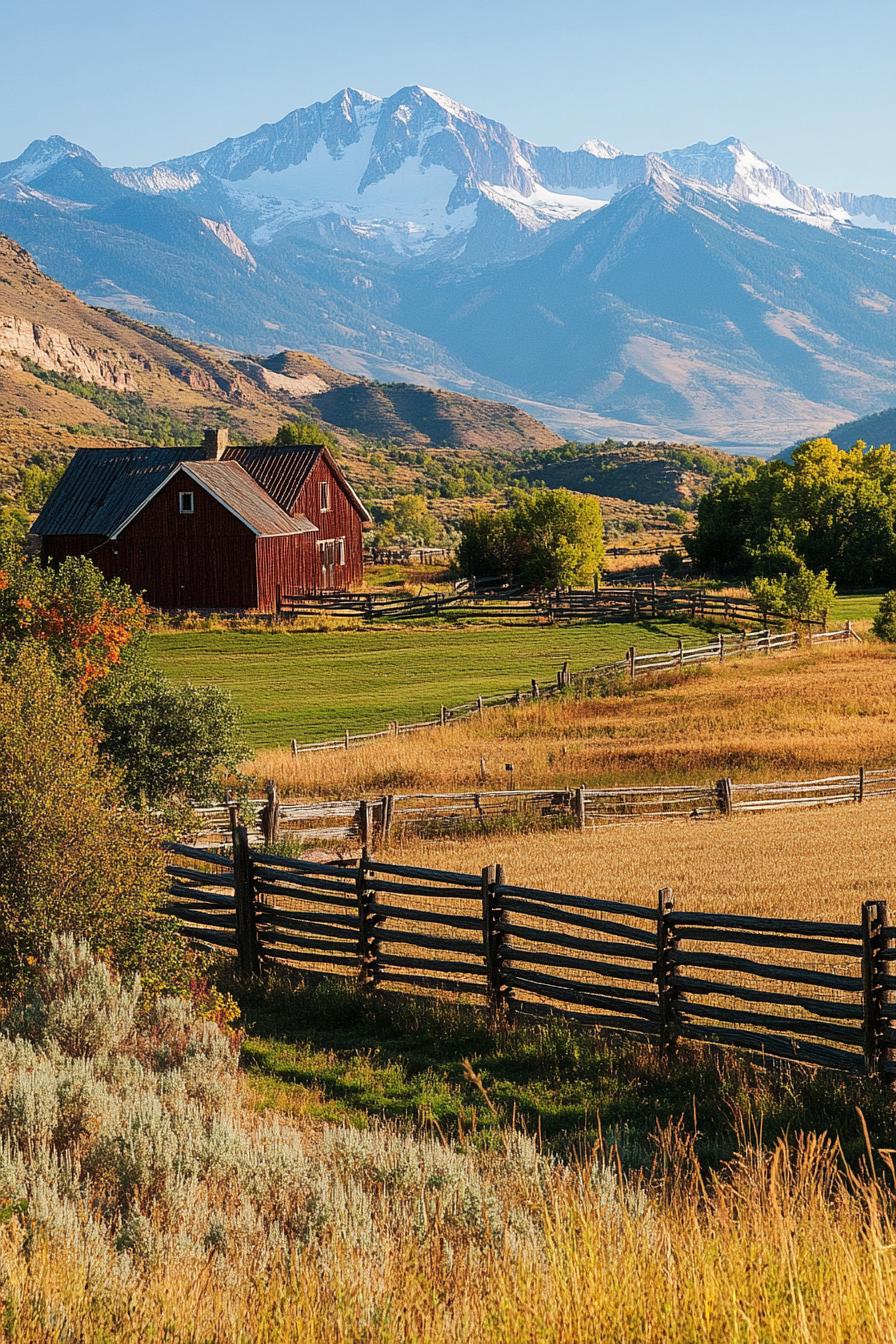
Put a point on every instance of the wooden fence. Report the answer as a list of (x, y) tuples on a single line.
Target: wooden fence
[(394, 817), (632, 666), (409, 555), (817, 992), (613, 603)]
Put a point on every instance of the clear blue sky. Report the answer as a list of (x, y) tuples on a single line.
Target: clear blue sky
[(808, 83)]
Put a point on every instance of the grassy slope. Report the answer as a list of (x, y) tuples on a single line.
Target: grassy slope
[(799, 715), (328, 1055), (315, 685)]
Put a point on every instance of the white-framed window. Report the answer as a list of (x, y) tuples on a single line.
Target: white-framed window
[(324, 494), (340, 551), (185, 501)]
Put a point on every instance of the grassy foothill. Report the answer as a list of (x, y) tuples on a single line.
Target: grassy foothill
[(313, 685)]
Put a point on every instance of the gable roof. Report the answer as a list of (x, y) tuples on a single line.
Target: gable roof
[(104, 489), (282, 472)]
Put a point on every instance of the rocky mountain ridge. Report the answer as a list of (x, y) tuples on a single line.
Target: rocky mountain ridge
[(724, 300)]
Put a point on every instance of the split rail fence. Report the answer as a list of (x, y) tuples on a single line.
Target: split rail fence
[(393, 817), (633, 665), (817, 992), (605, 604)]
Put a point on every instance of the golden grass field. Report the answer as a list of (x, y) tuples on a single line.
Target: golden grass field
[(792, 716), (813, 863), (782, 1249)]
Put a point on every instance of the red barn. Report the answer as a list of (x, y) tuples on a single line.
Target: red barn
[(209, 527)]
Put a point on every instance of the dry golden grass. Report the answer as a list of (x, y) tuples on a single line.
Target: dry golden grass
[(783, 1249), (790, 716), (817, 863)]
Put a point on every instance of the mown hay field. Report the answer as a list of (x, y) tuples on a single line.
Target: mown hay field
[(811, 863), (312, 685), (790, 716)]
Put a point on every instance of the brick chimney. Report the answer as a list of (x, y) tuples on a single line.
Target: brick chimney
[(214, 443)]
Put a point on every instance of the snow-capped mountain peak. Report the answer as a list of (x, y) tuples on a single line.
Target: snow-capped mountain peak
[(40, 156), (601, 149)]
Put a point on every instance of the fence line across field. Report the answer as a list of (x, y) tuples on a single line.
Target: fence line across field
[(816, 992), (471, 602), (393, 817), (633, 665)]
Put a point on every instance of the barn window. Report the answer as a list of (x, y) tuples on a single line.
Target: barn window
[(325, 496), (340, 551), (185, 501)]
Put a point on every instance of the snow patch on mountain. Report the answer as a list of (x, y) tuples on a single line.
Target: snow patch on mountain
[(160, 178), (42, 155), (600, 149)]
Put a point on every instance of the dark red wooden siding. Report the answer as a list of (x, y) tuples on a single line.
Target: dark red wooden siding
[(202, 559), (341, 520)]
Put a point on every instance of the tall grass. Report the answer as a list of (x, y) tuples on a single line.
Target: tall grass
[(791, 716), (143, 1200)]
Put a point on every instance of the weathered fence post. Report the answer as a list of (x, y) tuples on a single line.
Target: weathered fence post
[(887, 1054), (443, 715), (493, 938), (631, 658), (861, 797), (581, 806), (247, 951), (367, 922), (664, 971), (680, 652), (345, 739), (295, 747), (721, 648), (873, 968), (364, 825), (725, 796), (270, 815), (388, 810), (479, 705), (536, 690)]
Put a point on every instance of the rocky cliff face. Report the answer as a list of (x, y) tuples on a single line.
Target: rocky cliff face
[(55, 351)]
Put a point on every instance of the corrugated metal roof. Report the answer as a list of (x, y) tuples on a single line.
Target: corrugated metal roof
[(281, 472), (236, 490), (104, 488)]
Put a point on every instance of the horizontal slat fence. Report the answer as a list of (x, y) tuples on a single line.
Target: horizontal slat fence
[(816, 992), (634, 665), (202, 895), (394, 817), (613, 603)]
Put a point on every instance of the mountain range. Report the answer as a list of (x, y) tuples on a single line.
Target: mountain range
[(691, 293), (72, 375)]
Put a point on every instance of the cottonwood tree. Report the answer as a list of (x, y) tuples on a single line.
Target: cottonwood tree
[(543, 538)]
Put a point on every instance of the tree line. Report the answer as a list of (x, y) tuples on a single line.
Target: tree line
[(824, 510)]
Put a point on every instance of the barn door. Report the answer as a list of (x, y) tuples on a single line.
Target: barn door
[(327, 551)]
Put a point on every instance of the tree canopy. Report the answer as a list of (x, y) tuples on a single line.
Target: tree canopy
[(828, 509), (544, 539)]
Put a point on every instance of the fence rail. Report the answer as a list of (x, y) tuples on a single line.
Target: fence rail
[(817, 992), (605, 604), (634, 665), (370, 822)]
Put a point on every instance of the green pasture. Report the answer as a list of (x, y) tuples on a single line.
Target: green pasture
[(314, 685), (854, 607)]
